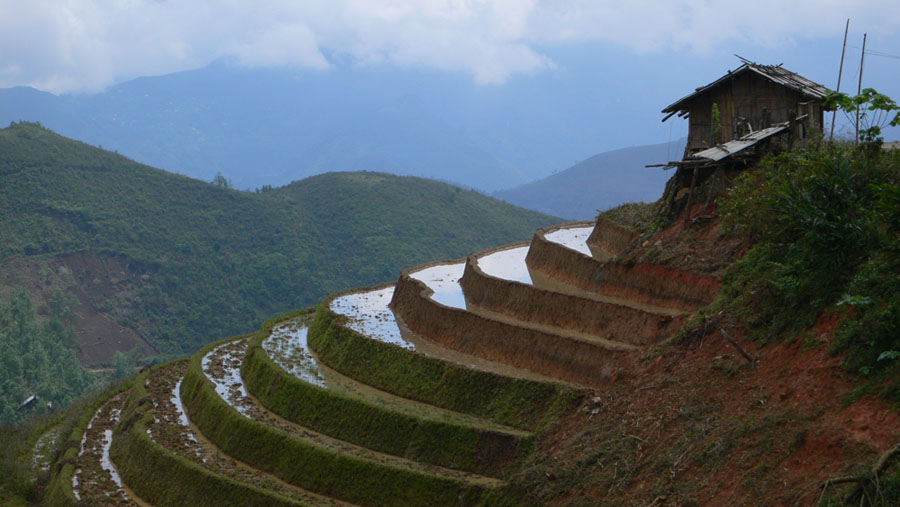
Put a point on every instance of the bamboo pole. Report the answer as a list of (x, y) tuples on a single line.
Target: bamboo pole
[(862, 60), (840, 73)]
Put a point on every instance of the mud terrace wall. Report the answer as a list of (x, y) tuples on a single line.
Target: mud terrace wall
[(529, 303), (375, 427), (647, 284), (610, 238), (570, 359), (164, 478), (303, 464), (516, 402)]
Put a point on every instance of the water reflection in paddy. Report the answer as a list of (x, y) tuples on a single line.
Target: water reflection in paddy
[(368, 313), (574, 238), (443, 279), (222, 365), (287, 346), (507, 264)]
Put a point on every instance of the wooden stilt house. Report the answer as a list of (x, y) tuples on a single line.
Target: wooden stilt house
[(764, 100), (732, 121)]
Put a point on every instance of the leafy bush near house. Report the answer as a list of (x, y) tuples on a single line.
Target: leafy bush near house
[(825, 221)]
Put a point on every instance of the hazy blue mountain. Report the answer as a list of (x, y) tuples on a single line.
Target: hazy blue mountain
[(599, 183), (270, 127)]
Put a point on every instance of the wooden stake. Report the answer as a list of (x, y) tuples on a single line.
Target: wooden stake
[(687, 211), (840, 72), (862, 60), (738, 347)]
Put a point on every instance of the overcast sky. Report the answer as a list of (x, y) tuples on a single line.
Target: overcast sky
[(639, 55), (86, 45)]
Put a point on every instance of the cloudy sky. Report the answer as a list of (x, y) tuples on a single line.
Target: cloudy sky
[(642, 54), (86, 45)]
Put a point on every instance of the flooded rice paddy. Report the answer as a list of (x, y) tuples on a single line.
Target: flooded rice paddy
[(443, 280), (507, 264), (96, 480), (173, 431), (286, 345), (42, 452), (573, 237), (223, 367), (367, 313)]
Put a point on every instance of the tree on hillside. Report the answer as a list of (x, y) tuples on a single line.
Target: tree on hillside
[(221, 181), (37, 359)]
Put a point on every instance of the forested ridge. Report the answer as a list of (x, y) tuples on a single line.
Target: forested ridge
[(206, 261)]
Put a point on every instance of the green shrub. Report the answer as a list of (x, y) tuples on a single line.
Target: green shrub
[(825, 220), (813, 218)]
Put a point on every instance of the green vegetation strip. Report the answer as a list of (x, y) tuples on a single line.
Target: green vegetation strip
[(180, 240), (20, 467), (520, 403), (163, 478), (311, 467), (375, 427), (59, 490)]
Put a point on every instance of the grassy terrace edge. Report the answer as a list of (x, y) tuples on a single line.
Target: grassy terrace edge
[(306, 465), (515, 402), (145, 465), (378, 428)]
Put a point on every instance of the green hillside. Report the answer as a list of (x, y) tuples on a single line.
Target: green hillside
[(201, 261)]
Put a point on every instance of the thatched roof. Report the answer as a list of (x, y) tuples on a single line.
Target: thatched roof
[(775, 73)]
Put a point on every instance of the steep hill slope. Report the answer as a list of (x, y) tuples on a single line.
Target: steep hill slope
[(168, 263), (599, 183), (631, 360)]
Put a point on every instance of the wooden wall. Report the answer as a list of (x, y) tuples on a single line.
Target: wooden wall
[(750, 96)]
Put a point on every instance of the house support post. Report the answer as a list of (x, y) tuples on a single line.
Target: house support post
[(687, 207)]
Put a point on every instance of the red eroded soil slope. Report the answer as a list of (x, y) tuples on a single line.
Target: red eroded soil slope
[(697, 424)]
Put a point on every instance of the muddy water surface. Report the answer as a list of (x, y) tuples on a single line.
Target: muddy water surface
[(507, 265), (286, 345), (42, 453), (96, 481), (172, 430), (443, 279), (367, 313), (221, 366), (573, 237)]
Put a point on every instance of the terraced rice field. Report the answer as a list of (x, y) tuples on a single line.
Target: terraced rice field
[(430, 391)]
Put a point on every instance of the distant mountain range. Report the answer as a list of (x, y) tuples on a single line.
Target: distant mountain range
[(270, 127), (599, 183)]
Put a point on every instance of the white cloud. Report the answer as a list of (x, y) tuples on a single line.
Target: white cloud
[(85, 45)]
